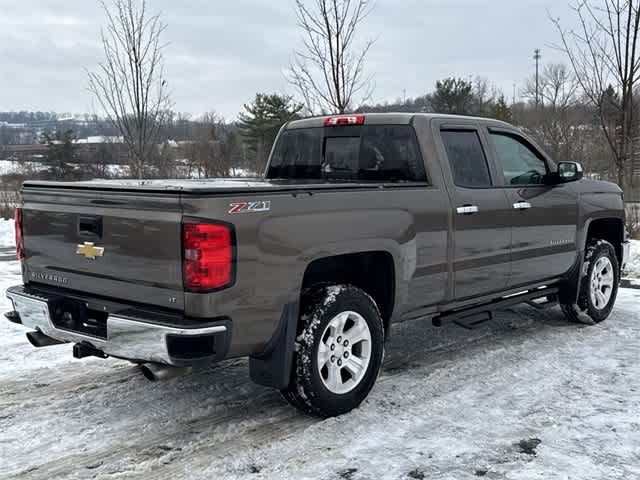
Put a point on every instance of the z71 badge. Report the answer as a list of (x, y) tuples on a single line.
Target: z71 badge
[(250, 207)]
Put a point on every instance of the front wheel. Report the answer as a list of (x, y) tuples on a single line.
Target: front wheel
[(338, 353), (599, 285)]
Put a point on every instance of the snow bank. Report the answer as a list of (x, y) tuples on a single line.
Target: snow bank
[(10, 167), (633, 264), (7, 236)]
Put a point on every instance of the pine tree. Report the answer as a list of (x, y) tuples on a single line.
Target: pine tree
[(501, 111), (61, 153), (260, 122), (452, 95)]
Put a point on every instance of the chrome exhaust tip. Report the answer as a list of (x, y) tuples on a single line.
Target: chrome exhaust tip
[(39, 339), (157, 372)]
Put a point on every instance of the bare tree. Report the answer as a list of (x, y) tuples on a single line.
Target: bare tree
[(558, 121), (329, 71), (129, 84), (604, 55), (485, 95), (557, 87), (211, 148)]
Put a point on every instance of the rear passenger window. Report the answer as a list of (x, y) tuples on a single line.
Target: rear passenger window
[(391, 152), (467, 159)]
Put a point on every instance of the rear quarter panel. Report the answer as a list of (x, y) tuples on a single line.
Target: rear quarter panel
[(274, 248)]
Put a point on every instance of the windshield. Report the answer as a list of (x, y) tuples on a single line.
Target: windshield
[(380, 153)]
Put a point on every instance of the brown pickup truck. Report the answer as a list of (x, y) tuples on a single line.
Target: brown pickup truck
[(360, 221)]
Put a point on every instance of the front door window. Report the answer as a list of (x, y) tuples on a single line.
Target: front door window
[(520, 164)]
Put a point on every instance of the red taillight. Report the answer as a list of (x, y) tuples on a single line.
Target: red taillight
[(344, 120), (209, 262), (19, 237)]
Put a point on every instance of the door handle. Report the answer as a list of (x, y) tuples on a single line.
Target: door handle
[(522, 205), (467, 209)]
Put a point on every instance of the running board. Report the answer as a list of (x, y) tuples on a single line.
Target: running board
[(549, 301), (473, 317), (473, 321)]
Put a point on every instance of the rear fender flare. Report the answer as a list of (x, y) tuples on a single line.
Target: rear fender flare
[(403, 255), (272, 368)]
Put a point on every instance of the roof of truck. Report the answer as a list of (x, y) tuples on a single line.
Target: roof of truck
[(399, 118)]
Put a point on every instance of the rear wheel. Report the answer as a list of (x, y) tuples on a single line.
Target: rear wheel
[(598, 287), (338, 353)]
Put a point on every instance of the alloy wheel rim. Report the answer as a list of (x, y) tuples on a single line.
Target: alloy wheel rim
[(602, 280), (344, 352)]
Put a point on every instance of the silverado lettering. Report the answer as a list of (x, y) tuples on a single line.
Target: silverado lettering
[(47, 277)]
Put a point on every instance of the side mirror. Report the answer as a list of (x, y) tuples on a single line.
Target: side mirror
[(567, 172)]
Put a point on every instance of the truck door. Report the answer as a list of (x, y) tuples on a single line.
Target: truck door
[(543, 217), (482, 234)]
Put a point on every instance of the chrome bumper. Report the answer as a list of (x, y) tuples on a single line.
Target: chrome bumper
[(126, 338)]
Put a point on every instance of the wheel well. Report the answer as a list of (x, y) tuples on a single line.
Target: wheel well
[(373, 272), (609, 229)]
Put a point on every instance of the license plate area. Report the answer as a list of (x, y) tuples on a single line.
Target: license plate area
[(75, 316)]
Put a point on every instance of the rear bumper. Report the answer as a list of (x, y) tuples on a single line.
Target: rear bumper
[(126, 337)]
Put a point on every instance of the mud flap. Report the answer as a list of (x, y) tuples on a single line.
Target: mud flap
[(273, 367), (570, 290)]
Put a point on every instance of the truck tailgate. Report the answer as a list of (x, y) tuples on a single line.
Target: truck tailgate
[(140, 233)]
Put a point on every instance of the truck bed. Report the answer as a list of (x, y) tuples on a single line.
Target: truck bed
[(222, 186)]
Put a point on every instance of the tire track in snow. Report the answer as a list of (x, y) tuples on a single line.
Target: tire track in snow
[(137, 448), (242, 416), (7, 254), (77, 384), (125, 457)]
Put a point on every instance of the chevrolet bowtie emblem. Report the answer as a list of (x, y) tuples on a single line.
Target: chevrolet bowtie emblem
[(89, 250)]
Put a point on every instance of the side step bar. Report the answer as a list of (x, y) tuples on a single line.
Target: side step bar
[(472, 321), (476, 315)]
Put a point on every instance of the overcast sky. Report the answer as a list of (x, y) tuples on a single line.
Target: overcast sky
[(221, 52)]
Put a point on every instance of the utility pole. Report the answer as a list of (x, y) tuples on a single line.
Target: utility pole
[(537, 58)]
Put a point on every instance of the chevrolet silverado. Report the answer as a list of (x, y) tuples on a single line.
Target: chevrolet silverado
[(360, 221)]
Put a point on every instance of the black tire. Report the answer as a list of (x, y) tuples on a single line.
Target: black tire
[(307, 390), (585, 311)]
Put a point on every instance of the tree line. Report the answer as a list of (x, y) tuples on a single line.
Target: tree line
[(584, 109), (562, 122)]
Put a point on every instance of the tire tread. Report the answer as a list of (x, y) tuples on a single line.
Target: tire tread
[(581, 311), (316, 301)]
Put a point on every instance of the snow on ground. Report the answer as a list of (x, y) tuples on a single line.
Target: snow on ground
[(8, 167), (7, 234), (633, 265), (115, 170), (527, 396)]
